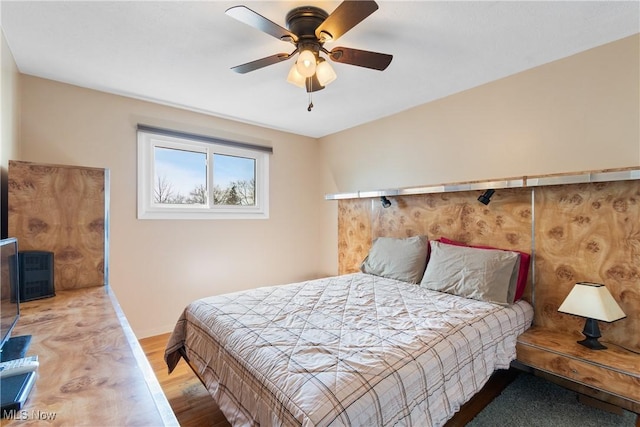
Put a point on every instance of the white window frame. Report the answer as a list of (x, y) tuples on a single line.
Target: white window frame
[(149, 138)]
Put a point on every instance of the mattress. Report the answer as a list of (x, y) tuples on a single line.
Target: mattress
[(351, 350)]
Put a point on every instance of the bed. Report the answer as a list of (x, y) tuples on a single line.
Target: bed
[(352, 350)]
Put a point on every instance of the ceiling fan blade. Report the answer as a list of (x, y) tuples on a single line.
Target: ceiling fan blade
[(255, 20), (346, 16), (361, 58), (315, 85), (260, 63)]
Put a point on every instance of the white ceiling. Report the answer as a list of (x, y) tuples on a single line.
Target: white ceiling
[(179, 53)]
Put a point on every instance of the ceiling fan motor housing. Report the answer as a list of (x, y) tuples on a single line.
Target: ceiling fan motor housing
[(303, 21)]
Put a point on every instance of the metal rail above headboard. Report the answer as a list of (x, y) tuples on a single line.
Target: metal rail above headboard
[(606, 175)]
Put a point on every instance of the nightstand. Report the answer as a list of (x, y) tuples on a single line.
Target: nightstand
[(611, 375)]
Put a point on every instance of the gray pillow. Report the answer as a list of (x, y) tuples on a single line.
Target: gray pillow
[(400, 259), (481, 274)]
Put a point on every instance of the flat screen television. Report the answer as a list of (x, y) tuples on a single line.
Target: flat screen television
[(9, 289)]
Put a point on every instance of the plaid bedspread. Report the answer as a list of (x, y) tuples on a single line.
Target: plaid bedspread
[(352, 350)]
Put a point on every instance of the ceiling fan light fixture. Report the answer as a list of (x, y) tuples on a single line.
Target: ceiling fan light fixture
[(325, 72), (295, 78), (306, 63)]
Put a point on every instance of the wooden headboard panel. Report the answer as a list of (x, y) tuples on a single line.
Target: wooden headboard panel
[(588, 232), (578, 232), (504, 223)]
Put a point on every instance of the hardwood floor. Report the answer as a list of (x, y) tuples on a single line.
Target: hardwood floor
[(190, 401), (193, 405)]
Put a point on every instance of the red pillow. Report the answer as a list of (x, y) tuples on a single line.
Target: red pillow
[(523, 273)]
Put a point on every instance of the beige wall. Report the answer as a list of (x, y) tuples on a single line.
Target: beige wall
[(158, 266), (9, 122), (578, 113)]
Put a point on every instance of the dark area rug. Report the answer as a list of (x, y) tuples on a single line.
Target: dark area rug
[(533, 401)]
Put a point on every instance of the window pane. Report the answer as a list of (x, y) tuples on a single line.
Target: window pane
[(180, 177), (234, 180)]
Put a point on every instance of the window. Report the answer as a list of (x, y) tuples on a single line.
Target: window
[(186, 176)]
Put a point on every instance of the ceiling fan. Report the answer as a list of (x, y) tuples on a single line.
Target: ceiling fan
[(308, 29)]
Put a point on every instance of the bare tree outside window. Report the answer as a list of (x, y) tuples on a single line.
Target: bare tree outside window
[(238, 193), (163, 190), (198, 195), (246, 192)]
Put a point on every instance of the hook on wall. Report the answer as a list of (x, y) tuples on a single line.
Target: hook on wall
[(385, 202)]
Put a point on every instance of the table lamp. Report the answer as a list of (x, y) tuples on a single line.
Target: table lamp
[(593, 301)]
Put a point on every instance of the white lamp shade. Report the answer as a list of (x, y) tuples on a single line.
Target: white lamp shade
[(295, 78), (592, 300), (325, 73), (306, 63)]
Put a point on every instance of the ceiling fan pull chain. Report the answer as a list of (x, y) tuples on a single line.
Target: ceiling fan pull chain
[(309, 91)]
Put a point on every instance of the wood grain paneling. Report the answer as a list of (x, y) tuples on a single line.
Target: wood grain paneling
[(589, 232), (61, 209), (354, 233), (504, 223), (615, 370), (89, 374), (583, 232)]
